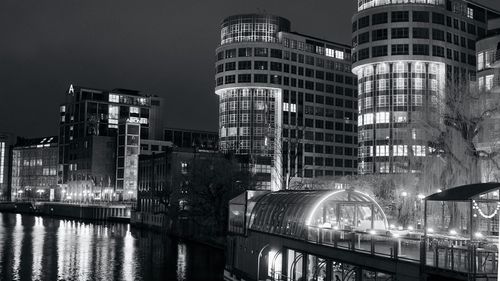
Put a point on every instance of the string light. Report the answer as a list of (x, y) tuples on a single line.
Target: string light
[(476, 206)]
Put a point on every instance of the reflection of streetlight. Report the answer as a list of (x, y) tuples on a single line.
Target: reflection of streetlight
[(453, 232), (404, 194)]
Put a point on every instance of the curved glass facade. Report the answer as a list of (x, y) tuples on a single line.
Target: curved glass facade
[(404, 54), (248, 120), (291, 212), (394, 98), (252, 28)]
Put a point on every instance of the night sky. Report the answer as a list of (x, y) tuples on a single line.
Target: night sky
[(162, 47)]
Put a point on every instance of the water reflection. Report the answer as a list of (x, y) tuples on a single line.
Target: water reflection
[(36, 248)]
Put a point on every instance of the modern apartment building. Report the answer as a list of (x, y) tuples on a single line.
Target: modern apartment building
[(34, 169), (99, 140), (405, 53), (287, 101)]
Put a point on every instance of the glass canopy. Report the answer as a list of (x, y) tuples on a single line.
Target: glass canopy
[(291, 212)]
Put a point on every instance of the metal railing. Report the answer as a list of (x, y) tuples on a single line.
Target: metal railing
[(438, 252)]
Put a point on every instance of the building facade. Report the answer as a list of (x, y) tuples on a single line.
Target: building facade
[(106, 126), (6, 142), (34, 169), (286, 100), (488, 82), (404, 54)]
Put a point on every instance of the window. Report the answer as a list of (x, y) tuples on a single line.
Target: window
[(230, 53), (244, 65), (261, 52), (399, 49), (364, 54), (276, 66), (400, 150), (382, 101), (114, 98), (421, 49), (364, 38), (368, 119), (230, 66), (244, 52), (379, 34), (438, 51), (401, 32), (438, 18), (364, 22), (420, 33), (399, 16), (400, 116), (379, 18), (230, 79), (488, 82), (260, 78), (480, 61), (382, 117), (382, 150), (437, 34), (470, 13), (420, 16), (260, 65), (275, 53), (244, 78)]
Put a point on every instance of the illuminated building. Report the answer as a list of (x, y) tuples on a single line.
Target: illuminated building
[(404, 54), (6, 141), (99, 139), (488, 80), (287, 101), (34, 169)]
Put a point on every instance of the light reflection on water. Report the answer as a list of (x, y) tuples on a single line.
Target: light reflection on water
[(36, 248)]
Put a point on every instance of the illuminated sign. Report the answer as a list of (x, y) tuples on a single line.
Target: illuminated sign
[(71, 90)]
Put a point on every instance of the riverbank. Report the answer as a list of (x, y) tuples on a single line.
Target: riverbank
[(92, 212)]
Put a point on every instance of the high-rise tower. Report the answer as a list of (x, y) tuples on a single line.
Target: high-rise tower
[(287, 101), (405, 53)]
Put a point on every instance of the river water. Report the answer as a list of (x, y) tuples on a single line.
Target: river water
[(38, 248)]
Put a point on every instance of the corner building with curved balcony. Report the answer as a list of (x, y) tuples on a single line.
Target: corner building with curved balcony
[(405, 53), (287, 101)]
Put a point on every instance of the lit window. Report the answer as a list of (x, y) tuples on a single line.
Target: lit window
[(488, 82), (399, 100), (382, 68), (382, 150), (368, 119), (339, 54), (418, 150), (400, 83), (329, 52), (399, 67), (400, 150), (114, 98), (134, 109), (382, 84), (418, 83), (480, 61), (62, 108), (382, 117), (113, 111), (470, 13), (293, 107), (480, 83), (368, 86), (382, 101), (286, 107)]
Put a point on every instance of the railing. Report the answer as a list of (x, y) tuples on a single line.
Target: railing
[(438, 252)]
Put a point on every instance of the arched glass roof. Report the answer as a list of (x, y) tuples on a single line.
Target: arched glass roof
[(290, 212)]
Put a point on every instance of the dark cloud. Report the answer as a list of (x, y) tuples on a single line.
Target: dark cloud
[(161, 47)]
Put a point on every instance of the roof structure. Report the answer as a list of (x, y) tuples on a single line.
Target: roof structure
[(290, 212), (464, 192)]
